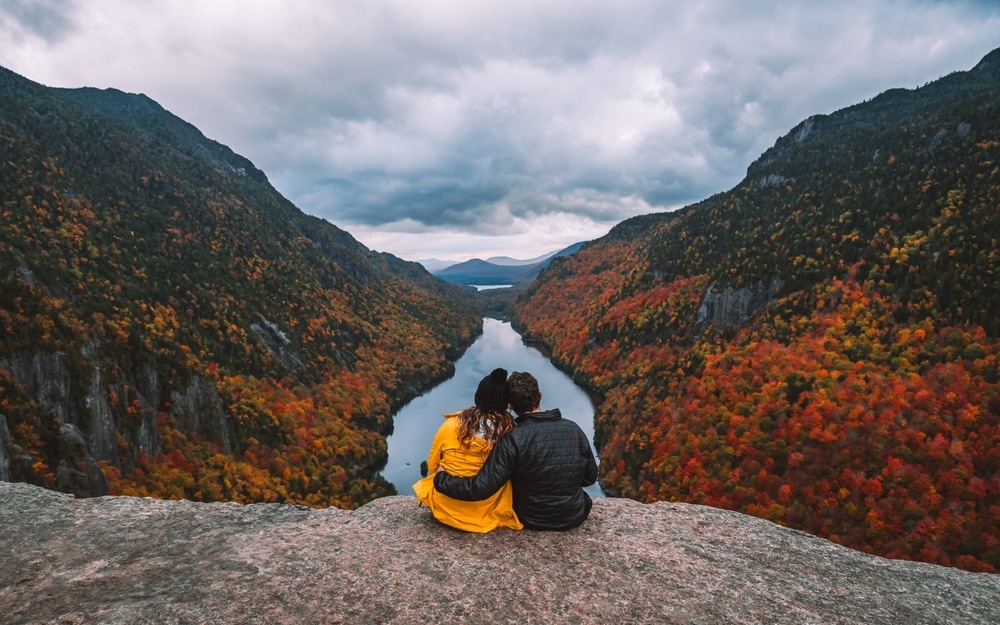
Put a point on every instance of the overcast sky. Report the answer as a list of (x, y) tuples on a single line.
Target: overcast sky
[(472, 129)]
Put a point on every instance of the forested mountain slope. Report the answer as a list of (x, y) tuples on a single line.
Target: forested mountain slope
[(170, 325), (817, 346)]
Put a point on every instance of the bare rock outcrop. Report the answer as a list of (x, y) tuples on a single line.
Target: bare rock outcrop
[(5, 474), (277, 342), (131, 560), (731, 306), (47, 378)]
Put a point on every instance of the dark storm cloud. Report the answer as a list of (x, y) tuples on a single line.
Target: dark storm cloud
[(521, 123)]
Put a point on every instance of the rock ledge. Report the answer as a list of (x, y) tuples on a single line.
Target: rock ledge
[(130, 560)]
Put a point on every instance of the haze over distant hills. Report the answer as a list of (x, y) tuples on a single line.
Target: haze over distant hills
[(507, 260), (498, 269), (436, 264)]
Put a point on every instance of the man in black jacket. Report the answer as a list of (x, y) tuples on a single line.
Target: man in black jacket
[(547, 458)]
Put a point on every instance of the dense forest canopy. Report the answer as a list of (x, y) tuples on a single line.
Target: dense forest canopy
[(171, 326), (819, 345)]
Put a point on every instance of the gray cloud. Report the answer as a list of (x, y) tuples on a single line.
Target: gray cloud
[(506, 125), (46, 19)]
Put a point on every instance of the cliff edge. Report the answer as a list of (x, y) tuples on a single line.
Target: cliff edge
[(131, 560)]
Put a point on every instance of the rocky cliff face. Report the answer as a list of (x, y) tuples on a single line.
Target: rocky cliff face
[(90, 430), (730, 306), (130, 560)]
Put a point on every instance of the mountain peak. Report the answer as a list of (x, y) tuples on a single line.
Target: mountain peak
[(990, 64)]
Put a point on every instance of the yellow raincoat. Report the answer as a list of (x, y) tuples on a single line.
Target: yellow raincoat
[(464, 461)]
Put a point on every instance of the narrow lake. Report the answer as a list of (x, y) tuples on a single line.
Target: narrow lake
[(499, 346)]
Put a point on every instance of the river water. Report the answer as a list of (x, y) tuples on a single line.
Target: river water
[(499, 346)]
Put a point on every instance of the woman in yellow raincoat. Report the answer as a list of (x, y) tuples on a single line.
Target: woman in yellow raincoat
[(461, 446)]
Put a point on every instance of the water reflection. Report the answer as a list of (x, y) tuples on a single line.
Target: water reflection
[(488, 287), (499, 346)]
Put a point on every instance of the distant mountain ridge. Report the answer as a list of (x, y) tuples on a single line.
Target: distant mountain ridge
[(172, 326), (500, 270), (817, 346), (507, 260), (436, 264)]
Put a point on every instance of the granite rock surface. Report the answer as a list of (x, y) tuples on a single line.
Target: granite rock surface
[(129, 560)]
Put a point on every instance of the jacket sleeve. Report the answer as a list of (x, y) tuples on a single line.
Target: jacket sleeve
[(492, 475), (590, 471), (437, 448)]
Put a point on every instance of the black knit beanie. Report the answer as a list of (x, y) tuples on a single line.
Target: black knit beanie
[(493, 393)]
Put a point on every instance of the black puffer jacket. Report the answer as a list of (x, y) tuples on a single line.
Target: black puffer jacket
[(548, 460)]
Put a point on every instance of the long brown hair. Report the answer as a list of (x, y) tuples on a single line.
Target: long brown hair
[(489, 425)]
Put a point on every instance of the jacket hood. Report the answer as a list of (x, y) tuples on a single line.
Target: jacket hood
[(541, 415)]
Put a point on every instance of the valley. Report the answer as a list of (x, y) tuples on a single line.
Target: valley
[(817, 346)]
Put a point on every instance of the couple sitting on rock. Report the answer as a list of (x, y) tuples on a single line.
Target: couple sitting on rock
[(489, 470)]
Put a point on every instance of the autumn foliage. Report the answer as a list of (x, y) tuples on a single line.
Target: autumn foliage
[(240, 349), (862, 403)]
